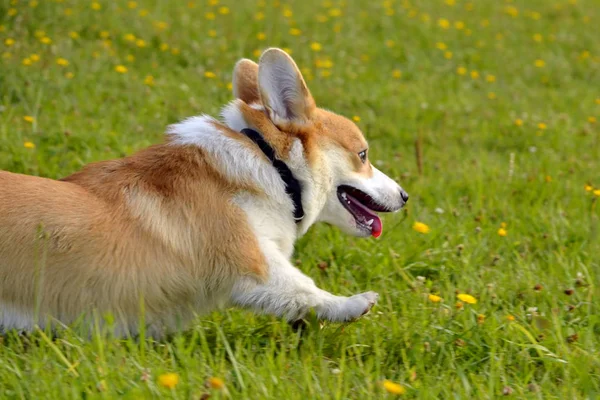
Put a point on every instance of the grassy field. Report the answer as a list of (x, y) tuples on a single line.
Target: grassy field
[(503, 97)]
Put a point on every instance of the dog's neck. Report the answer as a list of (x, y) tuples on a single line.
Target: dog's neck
[(314, 186)]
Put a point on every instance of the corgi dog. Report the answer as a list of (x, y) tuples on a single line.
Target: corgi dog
[(204, 220)]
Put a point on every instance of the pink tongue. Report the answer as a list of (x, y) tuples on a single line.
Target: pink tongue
[(363, 214)]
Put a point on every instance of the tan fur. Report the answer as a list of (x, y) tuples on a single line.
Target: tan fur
[(157, 225)]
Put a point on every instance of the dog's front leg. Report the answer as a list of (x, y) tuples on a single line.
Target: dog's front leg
[(290, 294)]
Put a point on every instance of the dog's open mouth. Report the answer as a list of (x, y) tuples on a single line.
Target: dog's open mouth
[(363, 208)]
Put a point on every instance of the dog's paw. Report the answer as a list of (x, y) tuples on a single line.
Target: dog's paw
[(358, 305)]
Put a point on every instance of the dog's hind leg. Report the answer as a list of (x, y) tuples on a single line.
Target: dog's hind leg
[(291, 294)]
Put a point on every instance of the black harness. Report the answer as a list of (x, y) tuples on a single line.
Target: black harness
[(292, 186)]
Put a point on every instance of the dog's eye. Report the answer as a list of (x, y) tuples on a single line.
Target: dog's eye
[(363, 156)]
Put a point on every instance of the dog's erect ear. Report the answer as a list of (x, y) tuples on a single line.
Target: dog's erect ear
[(282, 89), (245, 81)]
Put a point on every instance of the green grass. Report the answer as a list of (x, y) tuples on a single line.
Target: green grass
[(86, 111)]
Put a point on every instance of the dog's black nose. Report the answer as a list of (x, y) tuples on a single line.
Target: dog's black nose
[(404, 195)]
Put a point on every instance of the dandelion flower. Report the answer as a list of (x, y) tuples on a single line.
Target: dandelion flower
[(27, 61), (518, 122), (12, 12), (490, 78), (443, 23), (130, 37), (459, 305), (467, 298), (592, 120), (210, 75), (29, 145), (597, 192), (295, 32), (34, 57), (224, 10), (421, 227), (46, 40), (210, 16), (459, 25), (140, 43), (335, 12), (542, 126), (502, 232), (480, 318), (63, 62), (121, 69), (397, 74), (96, 6), (28, 118), (539, 63), (131, 4), (510, 318), (474, 75), (492, 95), (448, 55), (149, 80), (69, 75), (9, 42), (74, 35), (216, 383), (261, 36), (390, 43), (598, 101), (461, 70), (441, 45), (434, 298), (548, 178), (212, 33), (169, 380), (316, 46), (356, 118), (393, 388), (538, 38)]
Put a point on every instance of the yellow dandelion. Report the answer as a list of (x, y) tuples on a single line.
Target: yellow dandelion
[(588, 188), (169, 380), (2, 28), (434, 298), (68, 11), (175, 51), (390, 43), (213, 2), (69, 75), (393, 388), (322, 18), (538, 37), (356, 118), (9, 42), (212, 33), (287, 13), (325, 73), (510, 318), (542, 126), (210, 16), (518, 122), (104, 34), (160, 25), (467, 298), (259, 16), (592, 120), (295, 32), (548, 178), (28, 118), (34, 57), (130, 58), (121, 69), (461, 70), (224, 10), (397, 74), (316, 46), (149, 80), (164, 47), (130, 37), (502, 232), (46, 40), (421, 227), (39, 34), (210, 75), (459, 305), (451, 2), (492, 96), (229, 86), (443, 23), (597, 192), (140, 43), (480, 318), (29, 145), (287, 50), (474, 75), (96, 6), (335, 12), (63, 62), (74, 35), (512, 11), (503, 225), (131, 4), (215, 383), (441, 45), (598, 101), (27, 61), (490, 78), (261, 36), (448, 55), (459, 25), (539, 63), (12, 12), (142, 13)]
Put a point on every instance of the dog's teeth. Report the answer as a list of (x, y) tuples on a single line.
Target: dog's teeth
[(344, 196), (370, 222)]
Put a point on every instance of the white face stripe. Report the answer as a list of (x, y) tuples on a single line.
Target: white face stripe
[(233, 157)]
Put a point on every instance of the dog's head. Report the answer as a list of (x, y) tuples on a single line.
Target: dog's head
[(341, 186)]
